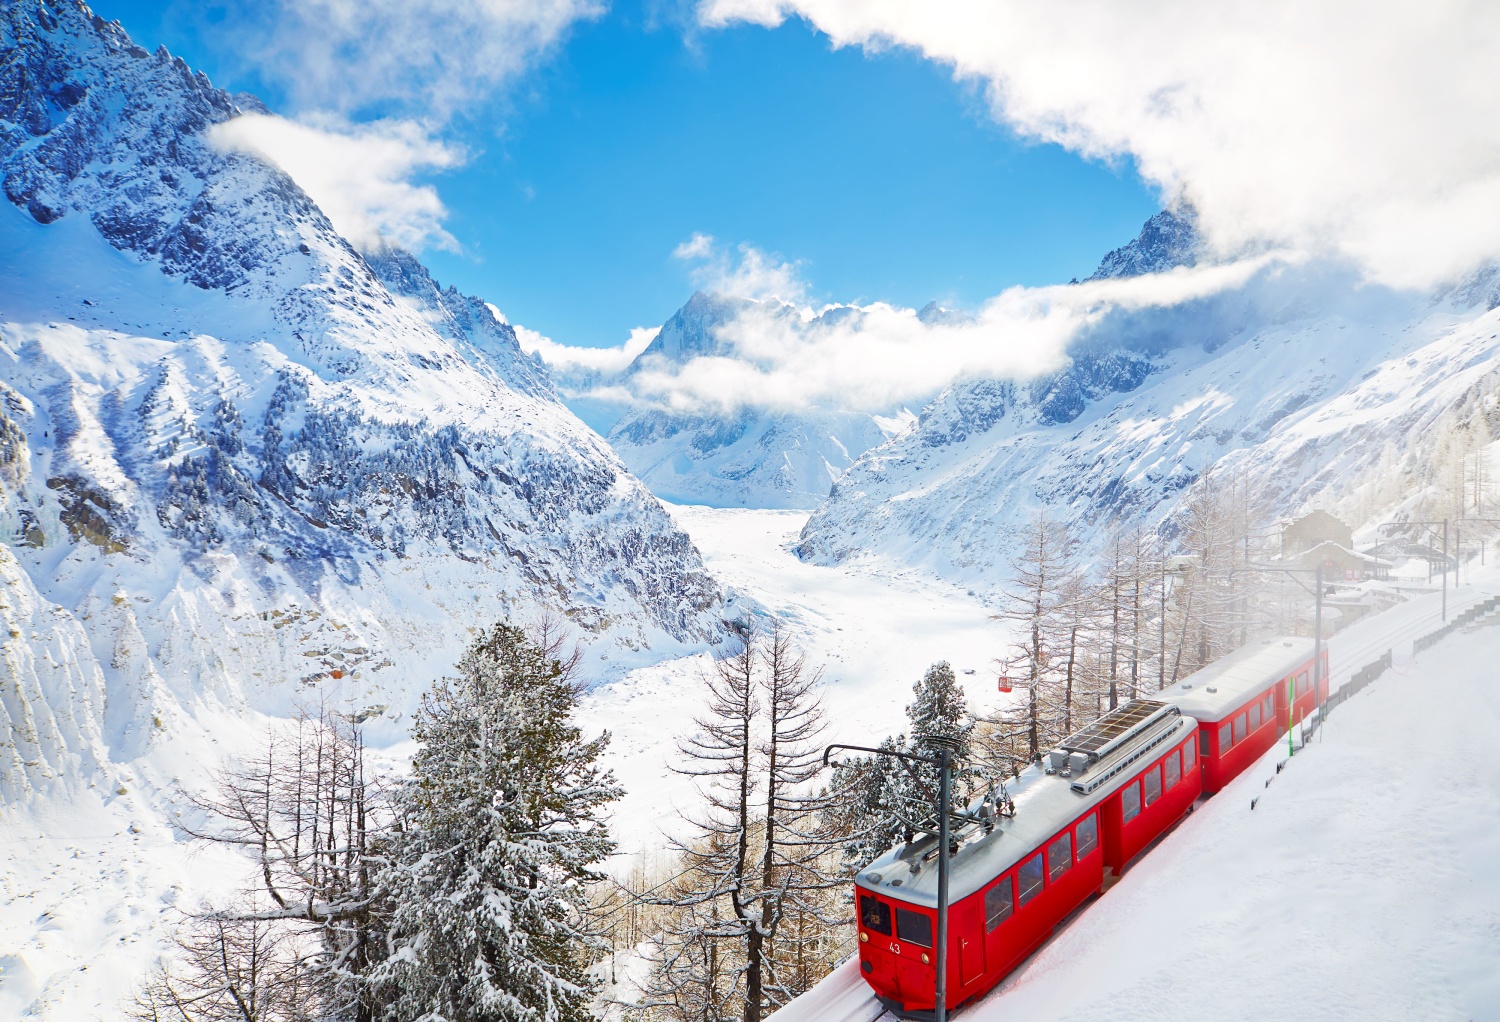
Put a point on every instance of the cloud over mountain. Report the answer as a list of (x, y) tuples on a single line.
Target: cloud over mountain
[(1344, 129)]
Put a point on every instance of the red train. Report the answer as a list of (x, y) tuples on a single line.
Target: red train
[(1094, 804)]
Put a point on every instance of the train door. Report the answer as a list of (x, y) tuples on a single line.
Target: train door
[(1112, 825), (968, 940)]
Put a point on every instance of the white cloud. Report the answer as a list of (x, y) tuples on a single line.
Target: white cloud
[(360, 175), (567, 358), (1347, 128), (699, 246), (751, 273), (373, 80), (878, 357), (427, 57)]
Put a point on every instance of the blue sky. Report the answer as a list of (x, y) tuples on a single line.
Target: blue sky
[(879, 175)]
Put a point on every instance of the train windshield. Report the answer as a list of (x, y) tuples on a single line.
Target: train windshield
[(914, 927), (874, 915)]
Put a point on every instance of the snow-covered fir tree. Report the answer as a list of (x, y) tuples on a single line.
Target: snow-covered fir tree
[(876, 801), (500, 833)]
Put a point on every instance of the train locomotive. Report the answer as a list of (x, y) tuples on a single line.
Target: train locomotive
[(1071, 824)]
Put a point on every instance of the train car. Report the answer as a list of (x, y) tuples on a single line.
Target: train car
[(1023, 864), (1244, 701)]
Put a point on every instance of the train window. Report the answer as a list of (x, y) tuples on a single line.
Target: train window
[(1189, 755), (1203, 740), (1088, 834), (874, 915), (1029, 879), (1255, 717), (1173, 769), (1060, 855), (914, 927), (1153, 785), (1301, 684), (1268, 706), (1130, 802), (1239, 728), (999, 903), (1225, 739)]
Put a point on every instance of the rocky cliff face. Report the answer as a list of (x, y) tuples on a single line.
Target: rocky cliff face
[(247, 463)]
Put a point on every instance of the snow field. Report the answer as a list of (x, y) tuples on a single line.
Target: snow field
[(88, 896), (873, 628)]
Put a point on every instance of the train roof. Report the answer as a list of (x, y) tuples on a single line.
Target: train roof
[(1045, 800), (1228, 683)]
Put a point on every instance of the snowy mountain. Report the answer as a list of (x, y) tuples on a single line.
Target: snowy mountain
[(243, 464), (748, 456), (1168, 239), (1303, 376)]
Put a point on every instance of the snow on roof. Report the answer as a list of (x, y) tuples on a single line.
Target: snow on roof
[(1230, 682), (1358, 555)]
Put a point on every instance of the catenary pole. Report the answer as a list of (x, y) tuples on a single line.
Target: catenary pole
[(1318, 646), (944, 762), (940, 1012)]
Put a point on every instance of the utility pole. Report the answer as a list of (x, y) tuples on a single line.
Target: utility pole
[(1318, 644), (940, 1007), (942, 758)]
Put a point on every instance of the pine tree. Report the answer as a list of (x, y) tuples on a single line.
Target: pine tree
[(878, 801), (500, 831), (792, 881), (1224, 601)]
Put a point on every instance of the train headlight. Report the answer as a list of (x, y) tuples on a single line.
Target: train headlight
[(925, 959), (863, 936)]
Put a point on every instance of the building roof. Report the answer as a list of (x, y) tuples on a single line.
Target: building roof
[(1228, 683), (1323, 545)]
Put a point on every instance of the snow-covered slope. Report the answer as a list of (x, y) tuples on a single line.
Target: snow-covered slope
[(1362, 880), (1302, 376), (242, 463), (747, 457)]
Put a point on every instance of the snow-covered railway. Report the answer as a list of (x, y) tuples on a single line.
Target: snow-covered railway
[(847, 995), (1027, 859)]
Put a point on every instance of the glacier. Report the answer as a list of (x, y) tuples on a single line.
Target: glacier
[(746, 456)]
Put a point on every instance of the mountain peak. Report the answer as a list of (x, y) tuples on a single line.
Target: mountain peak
[(1167, 240)]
